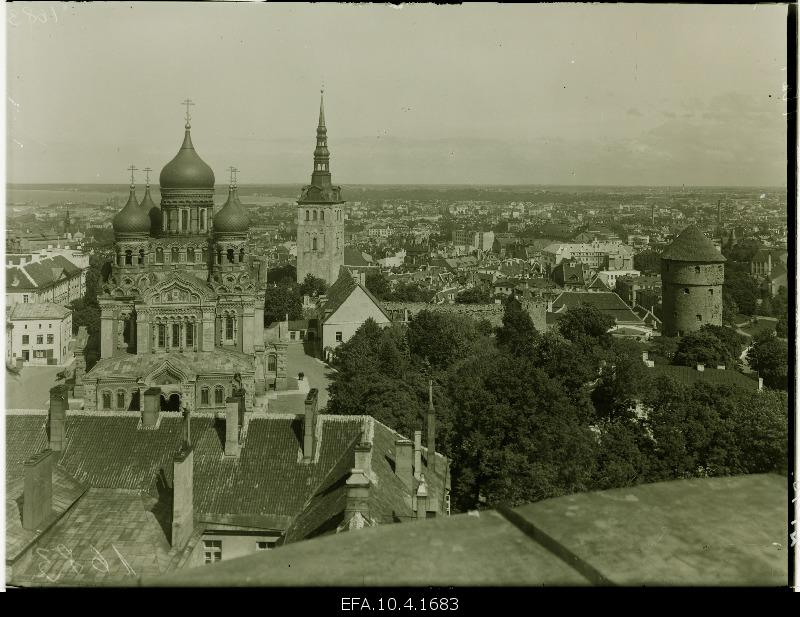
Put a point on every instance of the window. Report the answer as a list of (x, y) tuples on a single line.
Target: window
[(322, 215), (710, 292), (162, 335), (26, 339), (175, 257), (204, 255), (26, 355), (229, 328), (39, 339), (272, 362), (212, 550), (264, 546), (159, 255), (314, 215), (230, 255), (241, 255), (306, 214), (128, 258), (292, 335), (120, 399), (50, 339), (685, 291), (699, 317), (184, 220), (176, 335), (190, 335), (219, 395), (25, 299), (202, 219), (106, 400), (190, 255), (697, 269), (204, 396), (314, 244), (141, 257), (338, 337)]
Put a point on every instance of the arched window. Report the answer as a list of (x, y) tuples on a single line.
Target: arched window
[(176, 335), (202, 219), (314, 215), (184, 220), (219, 395), (190, 335), (106, 400), (190, 255), (159, 255), (219, 256), (204, 396), (162, 335), (313, 244), (229, 328), (141, 257), (685, 291), (204, 255), (175, 257), (272, 363), (306, 214), (697, 269), (230, 256), (120, 399), (128, 258), (322, 215), (241, 255)]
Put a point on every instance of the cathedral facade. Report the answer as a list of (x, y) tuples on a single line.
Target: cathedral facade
[(320, 217), (182, 312)]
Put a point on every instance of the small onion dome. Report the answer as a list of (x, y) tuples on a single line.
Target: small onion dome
[(232, 218), (132, 219), (153, 212), (187, 170)]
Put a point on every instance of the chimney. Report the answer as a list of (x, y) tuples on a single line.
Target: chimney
[(37, 500), (310, 424), (701, 367), (232, 428), (431, 429), (422, 500), (182, 496), (363, 458), (357, 487), (57, 417), (417, 454), (151, 407), (403, 458)]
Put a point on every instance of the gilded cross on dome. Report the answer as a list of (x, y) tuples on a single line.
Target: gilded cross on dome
[(147, 171), (233, 171), (188, 103), (132, 169)]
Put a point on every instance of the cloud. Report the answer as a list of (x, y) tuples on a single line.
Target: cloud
[(634, 112)]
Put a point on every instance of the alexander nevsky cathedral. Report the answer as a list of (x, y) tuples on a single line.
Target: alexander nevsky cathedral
[(182, 312)]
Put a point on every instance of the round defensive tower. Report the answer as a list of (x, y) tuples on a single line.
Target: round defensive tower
[(692, 274)]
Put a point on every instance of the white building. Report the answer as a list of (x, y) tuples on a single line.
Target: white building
[(609, 277), (45, 277), (40, 334)]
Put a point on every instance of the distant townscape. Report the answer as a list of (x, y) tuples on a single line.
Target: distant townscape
[(196, 374)]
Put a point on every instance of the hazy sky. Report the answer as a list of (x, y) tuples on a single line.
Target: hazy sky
[(539, 94)]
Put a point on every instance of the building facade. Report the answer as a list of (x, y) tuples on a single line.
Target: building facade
[(320, 217), (38, 334), (692, 274), (55, 277), (182, 312)]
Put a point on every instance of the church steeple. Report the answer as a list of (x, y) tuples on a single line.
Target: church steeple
[(321, 176)]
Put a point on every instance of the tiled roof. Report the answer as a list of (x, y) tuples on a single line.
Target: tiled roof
[(607, 302), (354, 257), (44, 310), (692, 245), (341, 290), (689, 375), (40, 274), (190, 363)]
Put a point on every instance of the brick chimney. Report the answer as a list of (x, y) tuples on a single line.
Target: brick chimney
[(417, 454), (363, 458), (357, 487), (182, 495), (422, 500), (232, 426), (431, 429), (309, 426), (151, 407), (403, 462), (37, 499), (57, 417)]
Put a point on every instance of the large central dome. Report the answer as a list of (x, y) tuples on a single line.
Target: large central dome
[(187, 170)]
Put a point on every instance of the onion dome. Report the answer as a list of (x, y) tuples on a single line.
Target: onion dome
[(232, 218), (132, 219), (187, 170), (692, 245), (153, 212)]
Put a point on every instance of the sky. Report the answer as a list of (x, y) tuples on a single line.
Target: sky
[(417, 94)]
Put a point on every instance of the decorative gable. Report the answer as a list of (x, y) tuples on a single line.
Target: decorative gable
[(179, 290)]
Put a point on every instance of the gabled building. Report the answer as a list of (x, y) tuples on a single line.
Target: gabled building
[(32, 278)]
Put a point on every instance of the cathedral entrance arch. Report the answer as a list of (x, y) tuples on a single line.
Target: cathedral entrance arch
[(170, 402)]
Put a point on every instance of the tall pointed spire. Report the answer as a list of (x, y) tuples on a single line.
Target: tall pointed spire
[(321, 125), (321, 189)]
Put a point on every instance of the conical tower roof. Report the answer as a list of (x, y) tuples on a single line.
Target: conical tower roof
[(132, 219), (692, 245)]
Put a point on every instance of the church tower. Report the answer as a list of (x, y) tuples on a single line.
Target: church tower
[(692, 274), (320, 217)]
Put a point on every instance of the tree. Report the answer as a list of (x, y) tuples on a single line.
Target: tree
[(625, 454), (441, 339), (733, 342), (623, 378), (410, 292), (770, 357), (741, 289), (701, 347), (377, 282), (474, 295), (282, 300), (313, 286), (782, 327), (517, 334), (283, 275), (585, 320)]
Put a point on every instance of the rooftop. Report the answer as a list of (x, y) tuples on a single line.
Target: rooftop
[(689, 375), (693, 246), (44, 310)]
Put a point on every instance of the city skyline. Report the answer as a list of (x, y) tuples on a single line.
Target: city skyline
[(488, 95)]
